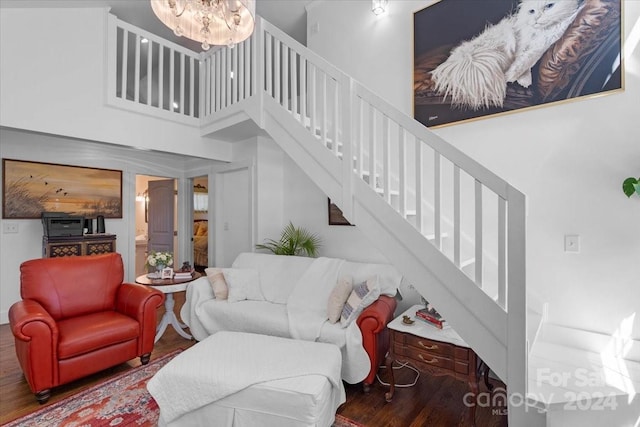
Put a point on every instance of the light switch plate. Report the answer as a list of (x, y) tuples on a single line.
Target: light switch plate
[(572, 243)]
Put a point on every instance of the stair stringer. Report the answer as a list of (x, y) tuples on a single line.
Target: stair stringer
[(478, 320)]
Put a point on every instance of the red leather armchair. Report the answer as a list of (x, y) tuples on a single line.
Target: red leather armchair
[(375, 334), (77, 317)]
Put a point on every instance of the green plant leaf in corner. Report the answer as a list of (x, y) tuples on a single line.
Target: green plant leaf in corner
[(631, 185), (293, 241)]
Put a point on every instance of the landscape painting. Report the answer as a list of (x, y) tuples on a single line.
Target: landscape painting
[(474, 59), (30, 188)]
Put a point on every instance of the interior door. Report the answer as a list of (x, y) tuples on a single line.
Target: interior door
[(161, 215)]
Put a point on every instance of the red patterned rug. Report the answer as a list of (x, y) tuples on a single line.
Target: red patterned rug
[(119, 401)]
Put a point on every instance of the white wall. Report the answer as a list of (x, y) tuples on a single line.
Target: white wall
[(569, 160), (284, 193), (51, 76)]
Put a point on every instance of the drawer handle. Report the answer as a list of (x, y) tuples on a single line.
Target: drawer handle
[(427, 347), (432, 361)]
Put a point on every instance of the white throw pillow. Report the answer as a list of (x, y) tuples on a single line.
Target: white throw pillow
[(338, 297), (244, 283), (362, 295), (218, 284)]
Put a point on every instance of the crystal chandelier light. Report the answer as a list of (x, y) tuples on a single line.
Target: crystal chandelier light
[(211, 22), (378, 7)]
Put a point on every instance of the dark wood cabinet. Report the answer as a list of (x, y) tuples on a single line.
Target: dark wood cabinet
[(432, 351), (89, 244)]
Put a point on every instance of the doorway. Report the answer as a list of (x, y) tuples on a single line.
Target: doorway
[(201, 229), (156, 218)]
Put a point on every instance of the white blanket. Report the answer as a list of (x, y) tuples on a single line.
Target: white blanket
[(306, 308), (198, 292), (307, 303), (228, 362), (307, 311)]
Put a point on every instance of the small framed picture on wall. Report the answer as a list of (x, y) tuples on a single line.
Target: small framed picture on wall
[(335, 215)]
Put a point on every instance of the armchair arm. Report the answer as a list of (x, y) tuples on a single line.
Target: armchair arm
[(140, 302), (375, 336), (36, 339)]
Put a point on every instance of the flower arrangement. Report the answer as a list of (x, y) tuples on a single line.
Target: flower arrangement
[(156, 259)]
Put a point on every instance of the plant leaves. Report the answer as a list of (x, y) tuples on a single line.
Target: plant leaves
[(630, 186), (293, 241)]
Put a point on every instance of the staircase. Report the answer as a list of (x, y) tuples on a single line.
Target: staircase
[(455, 230)]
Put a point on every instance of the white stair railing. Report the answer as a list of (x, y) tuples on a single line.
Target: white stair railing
[(472, 220), (438, 189)]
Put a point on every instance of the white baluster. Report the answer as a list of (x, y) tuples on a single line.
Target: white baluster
[(136, 73), (478, 231)]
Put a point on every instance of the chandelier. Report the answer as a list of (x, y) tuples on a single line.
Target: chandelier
[(211, 22)]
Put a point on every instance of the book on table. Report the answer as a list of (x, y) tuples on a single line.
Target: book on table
[(182, 274), (431, 316)]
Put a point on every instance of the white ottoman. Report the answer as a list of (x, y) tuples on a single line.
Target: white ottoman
[(241, 379)]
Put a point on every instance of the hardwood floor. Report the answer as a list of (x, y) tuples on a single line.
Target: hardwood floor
[(433, 401)]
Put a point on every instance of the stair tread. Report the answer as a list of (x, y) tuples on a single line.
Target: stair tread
[(559, 374)]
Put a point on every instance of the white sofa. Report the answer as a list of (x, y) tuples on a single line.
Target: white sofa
[(293, 304)]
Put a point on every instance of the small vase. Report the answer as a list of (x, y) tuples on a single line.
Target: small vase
[(160, 267)]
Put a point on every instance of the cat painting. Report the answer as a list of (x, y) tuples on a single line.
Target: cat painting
[(476, 73)]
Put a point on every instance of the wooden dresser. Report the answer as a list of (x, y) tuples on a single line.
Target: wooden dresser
[(89, 244), (432, 351)]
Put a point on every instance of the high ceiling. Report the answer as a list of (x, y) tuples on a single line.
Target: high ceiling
[(288, 15)]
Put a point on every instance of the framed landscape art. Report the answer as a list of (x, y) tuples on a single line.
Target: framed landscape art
[(474, 59), (30, 188)]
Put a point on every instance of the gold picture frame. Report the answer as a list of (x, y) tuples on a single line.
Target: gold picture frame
[(30, 188)]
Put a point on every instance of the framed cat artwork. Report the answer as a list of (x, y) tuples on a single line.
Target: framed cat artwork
[(474, 59)]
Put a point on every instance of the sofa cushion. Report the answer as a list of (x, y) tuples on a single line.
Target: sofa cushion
[(338, 297), (362, 295), (278, 273), (243, 283), (84, 334), (218, 284), (100, 276), (259, 317)]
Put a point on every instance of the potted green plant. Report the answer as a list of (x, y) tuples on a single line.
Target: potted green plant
[(630, 186), (293, 241)]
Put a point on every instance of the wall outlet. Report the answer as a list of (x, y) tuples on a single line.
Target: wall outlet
[(572, 243), (10, 227)]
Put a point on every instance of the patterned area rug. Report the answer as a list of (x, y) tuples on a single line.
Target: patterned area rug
[(119, 401)]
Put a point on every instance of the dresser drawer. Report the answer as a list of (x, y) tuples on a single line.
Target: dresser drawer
[(462, 367), (433, 347), (425, 357)]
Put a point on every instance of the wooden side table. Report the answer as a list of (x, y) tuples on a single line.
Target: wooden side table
[(433, 351), (168, 287)]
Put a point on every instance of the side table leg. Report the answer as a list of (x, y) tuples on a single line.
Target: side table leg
[(170, 318), (486, 377), (475, 388), (388, 396)]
